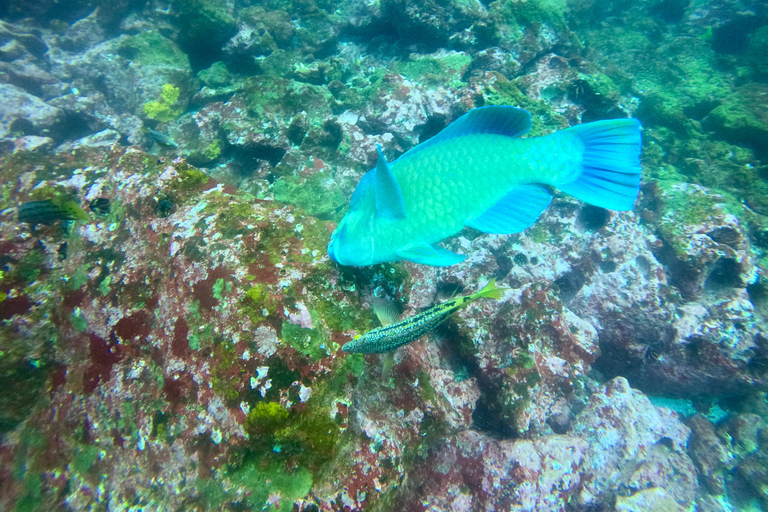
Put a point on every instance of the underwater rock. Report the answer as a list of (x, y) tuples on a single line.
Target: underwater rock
[(32, 143), (475, 472), (104, 139), (24, 114), (193, 322), (81, 35), (620, 447), (709, 454), (128, 76), (655, 499), (260, 32), (430, 24), (692, 329), (22, 59), (406, 109), (632, 446), (742, 117), (204, 26)]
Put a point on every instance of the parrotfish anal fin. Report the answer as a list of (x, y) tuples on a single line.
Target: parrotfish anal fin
[(431, 255), (389, 197), (386, 311), (514, 212), (610, 165), (498, 120)]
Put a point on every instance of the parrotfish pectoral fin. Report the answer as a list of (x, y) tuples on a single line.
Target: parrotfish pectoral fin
[(431, 255), (514, 212), (389, 197), (610, 164), (498, 120)]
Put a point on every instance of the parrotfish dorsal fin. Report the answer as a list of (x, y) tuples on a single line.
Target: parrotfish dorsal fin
[(389, 197), (386, 311), (498, 120)]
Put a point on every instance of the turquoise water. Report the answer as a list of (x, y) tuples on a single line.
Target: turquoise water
[(172, 318)]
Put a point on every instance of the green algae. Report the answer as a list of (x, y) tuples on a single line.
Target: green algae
[(215, 76), (152, 49), (312, 343), (186, 183), (205, 24), (508, 19), (258, 303), (339, 316), (261, 478), (167, 108), (684, 207), (435, 70), (266, 418), (544, 120), (319, 195)]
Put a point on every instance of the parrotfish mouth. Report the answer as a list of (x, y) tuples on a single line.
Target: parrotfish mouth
[(330, 251)]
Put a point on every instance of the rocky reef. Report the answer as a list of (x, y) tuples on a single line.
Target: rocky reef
[(180, 350)]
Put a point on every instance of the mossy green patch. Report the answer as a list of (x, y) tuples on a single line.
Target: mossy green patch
[(313, 343), (204, 24), (684, 207), (167, 107), (187, 183), (258, 303), (216, 75), (273, 94), (213, 150), (544, 120), (266, 478), (507, 19), (265, 418), (151, 49), (435, 70)]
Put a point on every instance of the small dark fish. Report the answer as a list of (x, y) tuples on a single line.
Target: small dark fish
[(100, 205), (161, 138), (50, 211), (389, 337)]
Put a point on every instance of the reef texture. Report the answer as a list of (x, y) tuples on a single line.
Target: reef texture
[(181, 350)]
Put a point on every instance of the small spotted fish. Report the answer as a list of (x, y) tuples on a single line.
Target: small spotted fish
[(395, 334), (51, 211)]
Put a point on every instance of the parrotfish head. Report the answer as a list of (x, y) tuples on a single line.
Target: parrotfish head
[(352, 241)]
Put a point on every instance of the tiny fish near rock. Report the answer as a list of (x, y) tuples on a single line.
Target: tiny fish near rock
[(51, 211), (395, 334), (477, 172)]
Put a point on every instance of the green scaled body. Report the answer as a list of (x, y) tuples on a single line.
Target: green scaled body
[(50, 211), (389, 337)]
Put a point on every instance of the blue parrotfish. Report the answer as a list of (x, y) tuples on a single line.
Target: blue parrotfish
[(478, 172), (393, 334)]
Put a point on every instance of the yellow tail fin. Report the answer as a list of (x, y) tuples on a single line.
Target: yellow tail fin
[(490, 291)]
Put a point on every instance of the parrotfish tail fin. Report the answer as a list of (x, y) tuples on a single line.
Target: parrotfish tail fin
[(610, 165), (490, 291)]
